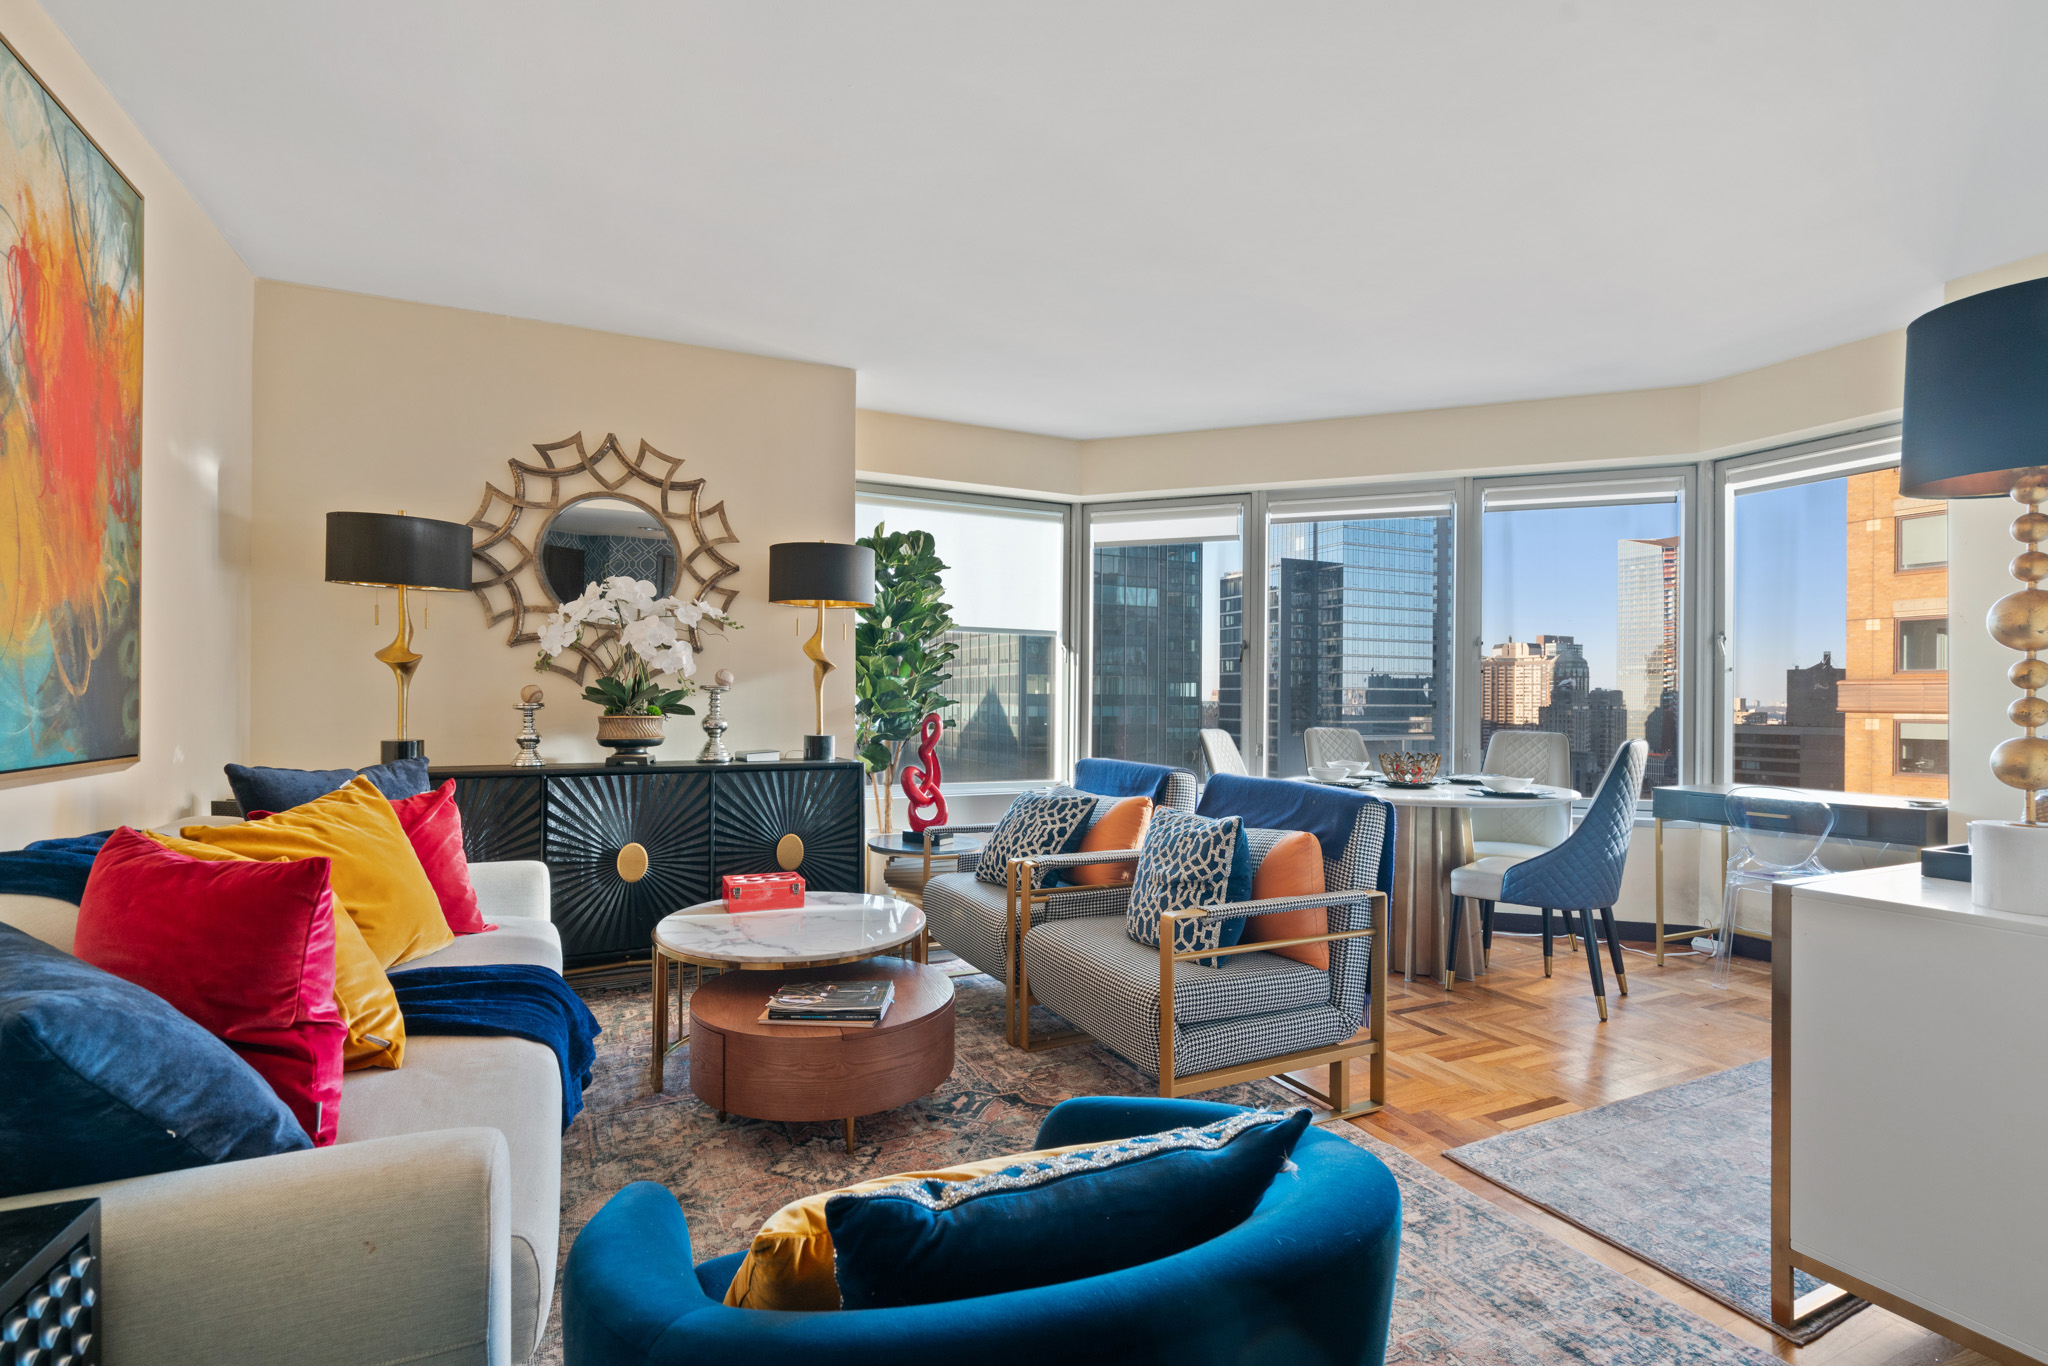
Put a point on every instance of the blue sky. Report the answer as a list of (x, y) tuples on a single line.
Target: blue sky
[(1553, 572)]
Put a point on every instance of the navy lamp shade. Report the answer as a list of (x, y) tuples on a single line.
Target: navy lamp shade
[(1976, 425), (820, 574), (1976, 394), (385, 550)]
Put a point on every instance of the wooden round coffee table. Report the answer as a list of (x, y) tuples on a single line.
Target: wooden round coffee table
[(808, 1073)]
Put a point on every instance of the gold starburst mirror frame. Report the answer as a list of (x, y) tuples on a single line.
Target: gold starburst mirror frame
[(513, 587)]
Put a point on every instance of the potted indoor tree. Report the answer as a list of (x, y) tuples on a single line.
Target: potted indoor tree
[(899, 659), (634, 639)]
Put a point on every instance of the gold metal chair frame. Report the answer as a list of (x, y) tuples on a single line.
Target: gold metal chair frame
[(1337, 1056)]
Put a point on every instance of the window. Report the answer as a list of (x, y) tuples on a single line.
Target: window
[(1836, 585), (1923, 644), (1922, 748), (1923, 541), (1005, 579), (1167, 623), (1580, 607), (1358, 623)]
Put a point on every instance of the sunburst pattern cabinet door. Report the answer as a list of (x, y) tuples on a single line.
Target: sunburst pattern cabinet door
[(501, 818), (601, 909), (754, 814)]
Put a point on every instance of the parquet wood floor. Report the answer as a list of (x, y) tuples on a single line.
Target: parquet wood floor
[(1513, 1049)]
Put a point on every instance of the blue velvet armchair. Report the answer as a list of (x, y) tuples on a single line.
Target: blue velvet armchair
[(1308, 1280)]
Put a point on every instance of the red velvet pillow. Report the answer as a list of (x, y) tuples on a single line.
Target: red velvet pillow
[(433, 822), (243, 949)]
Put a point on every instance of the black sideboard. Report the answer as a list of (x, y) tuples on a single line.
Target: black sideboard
[(626, 846)]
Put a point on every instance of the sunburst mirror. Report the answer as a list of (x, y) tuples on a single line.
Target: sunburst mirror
[(594, 514)]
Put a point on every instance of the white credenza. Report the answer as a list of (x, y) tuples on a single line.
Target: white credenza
[(1909, 1128)]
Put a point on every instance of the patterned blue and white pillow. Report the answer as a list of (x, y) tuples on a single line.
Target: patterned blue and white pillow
[(1037, 823), (1186, 863)]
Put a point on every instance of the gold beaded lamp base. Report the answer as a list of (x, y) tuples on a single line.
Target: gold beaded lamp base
[(2019, 621)]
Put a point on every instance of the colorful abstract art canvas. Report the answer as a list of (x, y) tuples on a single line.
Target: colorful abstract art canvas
[(70, 438)]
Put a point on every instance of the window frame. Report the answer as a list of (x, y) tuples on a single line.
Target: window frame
[(1899, 565), (1062, 726), (1899, 625), (1595, 488)]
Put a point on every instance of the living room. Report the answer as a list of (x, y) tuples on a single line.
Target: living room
[(482, 480)]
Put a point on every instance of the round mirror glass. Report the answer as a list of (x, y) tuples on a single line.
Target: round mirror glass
[(594, 538)]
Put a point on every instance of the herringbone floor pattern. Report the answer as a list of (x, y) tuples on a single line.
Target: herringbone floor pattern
[(1515, 1048)]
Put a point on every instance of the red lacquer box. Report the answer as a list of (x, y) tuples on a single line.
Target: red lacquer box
[(763, 891)]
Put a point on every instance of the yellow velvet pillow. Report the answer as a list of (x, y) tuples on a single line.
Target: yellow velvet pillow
[(789, 1265), (1293, 868), (377, 876), (362, 993), (1121, 827)]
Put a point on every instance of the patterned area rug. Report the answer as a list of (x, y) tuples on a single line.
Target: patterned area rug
[(1476, 1286), (1680, 1177)]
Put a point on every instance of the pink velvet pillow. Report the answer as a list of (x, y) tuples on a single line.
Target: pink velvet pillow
[(243, 949), (433, 822)]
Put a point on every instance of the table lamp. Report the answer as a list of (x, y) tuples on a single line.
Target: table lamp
[(820, 574), (382, 550), (1976, 425)]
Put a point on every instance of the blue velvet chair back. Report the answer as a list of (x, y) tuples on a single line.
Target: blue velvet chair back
[(1166, 786), (1584, 873), (1308, 1280)]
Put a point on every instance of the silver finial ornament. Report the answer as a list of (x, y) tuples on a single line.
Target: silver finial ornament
[(714, 751), (529, 738)]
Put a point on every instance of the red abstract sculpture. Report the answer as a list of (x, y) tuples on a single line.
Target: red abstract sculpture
[(921, 784)]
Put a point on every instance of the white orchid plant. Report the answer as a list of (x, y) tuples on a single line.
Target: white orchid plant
[(634, 638)]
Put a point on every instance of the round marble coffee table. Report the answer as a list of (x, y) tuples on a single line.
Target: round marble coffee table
[(830, 928)]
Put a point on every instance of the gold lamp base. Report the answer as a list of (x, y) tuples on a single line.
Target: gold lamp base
[(2019, 621), (404, 662)]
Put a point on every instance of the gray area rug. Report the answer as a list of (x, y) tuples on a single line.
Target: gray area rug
[(1680, 1177), (1476, 1286)]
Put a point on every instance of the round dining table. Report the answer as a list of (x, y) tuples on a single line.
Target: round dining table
[(1433, 835)]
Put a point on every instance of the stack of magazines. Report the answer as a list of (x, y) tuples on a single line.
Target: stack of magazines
[(856, 1005)]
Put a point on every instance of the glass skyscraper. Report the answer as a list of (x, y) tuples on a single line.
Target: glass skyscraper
[(1148, 653), (1358, 632), (1646, 649), (1001, 725)]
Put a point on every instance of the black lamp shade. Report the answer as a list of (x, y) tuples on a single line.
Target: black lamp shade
[(1976, 394), (821, 574), (388, 551)]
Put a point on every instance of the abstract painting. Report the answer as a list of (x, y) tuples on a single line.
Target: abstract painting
[(70, 438)]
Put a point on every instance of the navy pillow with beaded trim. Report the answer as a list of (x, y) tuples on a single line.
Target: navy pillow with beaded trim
[(1057, 1218)]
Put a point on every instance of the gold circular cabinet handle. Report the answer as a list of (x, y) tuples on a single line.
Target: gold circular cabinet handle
[(789, 852), (632, 862)]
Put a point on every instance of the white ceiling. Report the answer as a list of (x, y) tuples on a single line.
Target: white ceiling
[(1096, 217)]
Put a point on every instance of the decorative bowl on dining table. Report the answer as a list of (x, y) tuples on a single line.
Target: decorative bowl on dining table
[(1410, 770)]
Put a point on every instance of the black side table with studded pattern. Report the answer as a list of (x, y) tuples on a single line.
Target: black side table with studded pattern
[(50, 1284)]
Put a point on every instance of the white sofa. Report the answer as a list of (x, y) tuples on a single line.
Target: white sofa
[(426, 1234)]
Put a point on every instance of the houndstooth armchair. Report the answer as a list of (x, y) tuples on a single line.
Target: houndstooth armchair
[(1253, 1013), (974, 919)]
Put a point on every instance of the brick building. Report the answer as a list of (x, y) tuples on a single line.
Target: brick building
[(1894, 689)]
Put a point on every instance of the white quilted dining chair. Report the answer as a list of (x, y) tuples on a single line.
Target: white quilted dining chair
[(1521, 832)]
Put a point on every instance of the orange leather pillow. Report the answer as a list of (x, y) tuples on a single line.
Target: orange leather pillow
[(362, 993), (1294, 868), (1121, 827), (376, 875)]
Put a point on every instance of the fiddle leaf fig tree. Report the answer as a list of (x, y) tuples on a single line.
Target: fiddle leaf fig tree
[(900, 661)]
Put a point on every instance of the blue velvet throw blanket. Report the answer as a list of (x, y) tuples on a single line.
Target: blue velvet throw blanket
[(1328, 813), (1122, 778), (55, 868), (520, 999)]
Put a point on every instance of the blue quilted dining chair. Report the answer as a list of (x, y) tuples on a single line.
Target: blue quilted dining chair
[(1583, 874)]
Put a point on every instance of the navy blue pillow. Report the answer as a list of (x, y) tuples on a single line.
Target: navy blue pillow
[(1239, 889), (1056, 1219), (281, 789), (104, 1080)]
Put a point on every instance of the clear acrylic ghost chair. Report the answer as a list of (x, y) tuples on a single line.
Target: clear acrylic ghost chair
[(1774, 833)]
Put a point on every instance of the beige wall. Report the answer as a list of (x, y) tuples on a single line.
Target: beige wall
[(934, 454), (197, 310), (372, 404)]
